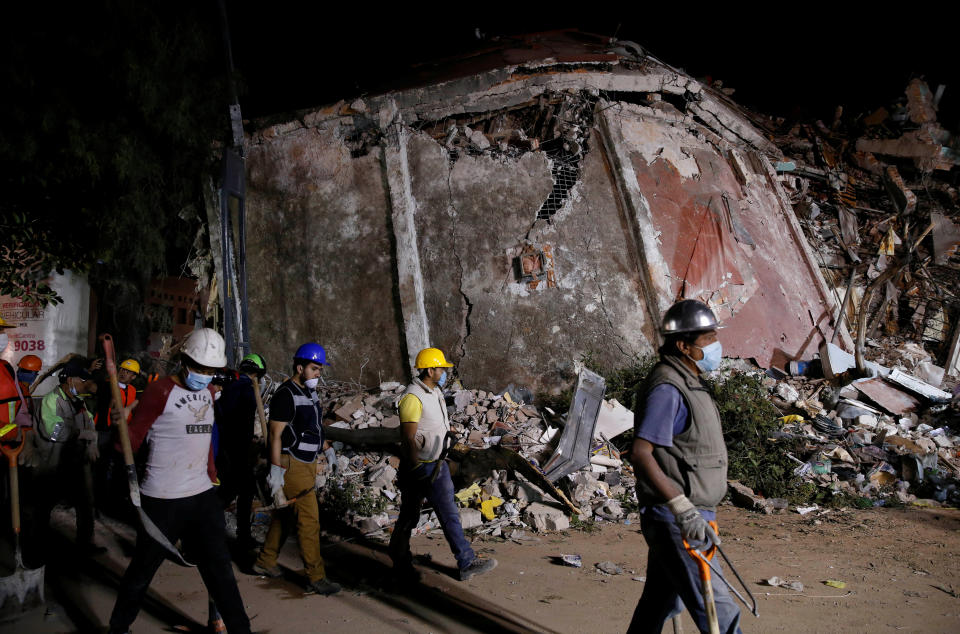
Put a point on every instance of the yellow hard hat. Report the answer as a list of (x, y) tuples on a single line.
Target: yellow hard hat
[(6, 324), (132, 365), (431, 358)]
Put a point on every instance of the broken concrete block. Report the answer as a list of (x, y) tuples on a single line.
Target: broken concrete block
[(391, 422), (492, 416), (545, 518), (462, 398), (390, 386), (744, 497), (470, 518), (470, 410), (787, 392), (867, 420), (609, 510), (345, 412)]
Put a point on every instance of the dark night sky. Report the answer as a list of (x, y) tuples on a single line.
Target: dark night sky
[(298, 55)]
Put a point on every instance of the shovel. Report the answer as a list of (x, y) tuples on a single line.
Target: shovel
[(24, 588), (151, 529)]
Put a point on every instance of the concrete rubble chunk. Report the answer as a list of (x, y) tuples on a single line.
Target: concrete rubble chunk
[(470, 518), (744, 497), (545, 518)]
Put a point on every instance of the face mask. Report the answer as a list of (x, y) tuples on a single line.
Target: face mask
[(196, 382), (217, 396), (442, 379), (73, 390), (312, 383), (26, 376), (123, 386), (711, 357), (4, 340)]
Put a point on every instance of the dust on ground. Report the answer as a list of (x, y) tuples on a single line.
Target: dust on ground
[(900, 568)]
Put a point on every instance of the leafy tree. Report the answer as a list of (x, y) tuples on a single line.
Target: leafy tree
[(110, 120)]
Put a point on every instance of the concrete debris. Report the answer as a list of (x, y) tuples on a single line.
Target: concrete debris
[(546, 518), (609, 568)]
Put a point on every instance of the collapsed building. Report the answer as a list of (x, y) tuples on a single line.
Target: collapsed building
[(538, 202), (541, 203)]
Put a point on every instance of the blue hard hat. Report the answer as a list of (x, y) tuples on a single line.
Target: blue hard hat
[(312, 352)]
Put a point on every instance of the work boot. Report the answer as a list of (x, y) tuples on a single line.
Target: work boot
[(477, 567), (323, 587), (273, 571)]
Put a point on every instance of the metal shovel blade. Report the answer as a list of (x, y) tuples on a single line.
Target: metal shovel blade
[(23, 589), (152, 529)]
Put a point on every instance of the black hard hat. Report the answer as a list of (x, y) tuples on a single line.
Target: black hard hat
[(688, 315)]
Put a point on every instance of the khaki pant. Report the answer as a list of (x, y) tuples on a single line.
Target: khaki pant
[(298, 482)]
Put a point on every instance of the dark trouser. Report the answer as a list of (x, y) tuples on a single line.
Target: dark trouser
[(236, 467), (414, 487), (71, 479), (672, 577), (198, 520)]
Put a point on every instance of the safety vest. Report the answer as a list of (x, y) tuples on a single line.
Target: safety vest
[(10, 396), (128, 394), (433, 425), (303, 436), (697, 461)]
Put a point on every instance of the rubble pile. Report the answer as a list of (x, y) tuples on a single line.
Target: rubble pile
[(876, 196), (860, 442), (363, 425)]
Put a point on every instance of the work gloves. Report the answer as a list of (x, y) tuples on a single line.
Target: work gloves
[(275, 480), (693, 526)]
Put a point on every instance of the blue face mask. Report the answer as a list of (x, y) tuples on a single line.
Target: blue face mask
[(711, 357), (73, 390), (196, 382), (442, 379), (25, 376)]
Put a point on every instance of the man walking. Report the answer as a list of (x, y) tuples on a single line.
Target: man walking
[(424, 473), (295, 442), (680, 460), (178, 493), (66, 451), (235, 412)]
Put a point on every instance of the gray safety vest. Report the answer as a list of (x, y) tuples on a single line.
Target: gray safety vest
[(433, 425), (697, 461)]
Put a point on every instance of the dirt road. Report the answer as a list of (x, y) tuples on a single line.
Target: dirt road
[(900, 567)]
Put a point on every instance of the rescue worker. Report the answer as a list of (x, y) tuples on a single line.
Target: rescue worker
[(680, 460), (66, 448), (28, 369), (109, 476), (295, 441), (236, 412), (12, 396), (178, 488), (424, 473)]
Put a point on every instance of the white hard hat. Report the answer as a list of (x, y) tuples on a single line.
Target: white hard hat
[(206, 347)]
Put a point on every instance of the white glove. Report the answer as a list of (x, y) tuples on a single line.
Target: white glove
[(275, 479), (331, 457), (693, 527)]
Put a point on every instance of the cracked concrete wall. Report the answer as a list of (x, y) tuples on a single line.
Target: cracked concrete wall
[(320, 259), (370, 237), (472, 216), (723, 234)]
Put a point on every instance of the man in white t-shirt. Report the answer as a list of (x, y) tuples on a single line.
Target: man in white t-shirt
[(175, 418)]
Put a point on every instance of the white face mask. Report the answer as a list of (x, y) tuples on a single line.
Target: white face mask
[(123, 386), (312, 383), (4, 340)]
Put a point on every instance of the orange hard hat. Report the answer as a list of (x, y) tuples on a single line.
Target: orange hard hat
[(30, 363)]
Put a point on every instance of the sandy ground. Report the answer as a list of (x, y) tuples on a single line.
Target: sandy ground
[(900, 567)]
